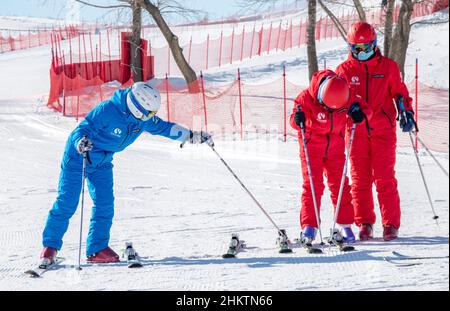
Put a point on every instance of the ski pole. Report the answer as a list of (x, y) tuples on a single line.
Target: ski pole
[(344, 175), (430, 153), (308, 166), (435, 217), (85, 156), (402, 110), (280, 231)]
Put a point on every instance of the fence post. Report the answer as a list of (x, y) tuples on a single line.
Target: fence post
[(285, 104), (417, 98), (253, 40), (300, 33), (207, 51), (168, 59), (240, 103), (326, 27), (242, 42), (232, 47), (92, 55), (261, 37), (85, 57), (279, 34), (167, 97), (291, 30), (204, 101), (285, 36), (220, 49), (190, 50), (109, 55), (270, 37)]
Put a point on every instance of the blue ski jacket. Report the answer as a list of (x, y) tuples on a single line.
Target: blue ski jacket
[(111, 127)]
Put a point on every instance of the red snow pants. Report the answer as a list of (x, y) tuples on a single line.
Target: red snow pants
[(373, 161), (327, 157)]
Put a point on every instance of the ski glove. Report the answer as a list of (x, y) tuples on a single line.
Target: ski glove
[(84, 145), (356, 113), (407, 122), (200, 138), (299, 118)]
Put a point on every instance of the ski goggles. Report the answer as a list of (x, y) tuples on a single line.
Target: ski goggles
[(362, 47), (146, 114)]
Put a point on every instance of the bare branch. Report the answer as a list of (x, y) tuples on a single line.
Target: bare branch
[(105, 6)]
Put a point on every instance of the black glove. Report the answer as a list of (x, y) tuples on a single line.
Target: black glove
[(407, 122), (299, 117), (200, 138), (356, 113), (84, 145)]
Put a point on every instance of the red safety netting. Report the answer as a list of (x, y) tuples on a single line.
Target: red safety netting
[(32, 38), (76, 88), (270, 37)]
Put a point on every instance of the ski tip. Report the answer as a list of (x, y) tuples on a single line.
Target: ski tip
[(228, 256), (286, 251), (135, 265), (32, 274)]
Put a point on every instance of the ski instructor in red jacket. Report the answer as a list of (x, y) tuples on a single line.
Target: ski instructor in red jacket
[(324, 109), (377, 79)]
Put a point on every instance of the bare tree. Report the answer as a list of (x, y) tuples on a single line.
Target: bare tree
[(156, 9), (400, 39), (388, 25), (311, 38), (360, 10), (335, 20)]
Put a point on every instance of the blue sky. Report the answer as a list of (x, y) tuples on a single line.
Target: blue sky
[(58, 8)]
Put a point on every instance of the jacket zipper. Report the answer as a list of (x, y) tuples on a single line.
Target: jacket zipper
[(367, 83), (126, 137), (328, 135)]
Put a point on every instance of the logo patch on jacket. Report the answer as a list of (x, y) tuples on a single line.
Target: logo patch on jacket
[(117, 132), (355, 80), (378, 76), (322, 117)]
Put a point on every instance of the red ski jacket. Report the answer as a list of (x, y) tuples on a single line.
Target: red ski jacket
[(379, 83), (319, 119)]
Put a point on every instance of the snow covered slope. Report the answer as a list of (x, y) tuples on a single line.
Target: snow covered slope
[(180, 206)]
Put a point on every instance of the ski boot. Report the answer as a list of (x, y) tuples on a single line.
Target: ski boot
[(48, 257), (347, 234), (307, 237), (337, 239), (283, 242), (234, 247), (106, 255), (366, 232), (390, 233)]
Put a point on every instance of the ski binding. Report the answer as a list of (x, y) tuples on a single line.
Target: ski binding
[(45, 266), (235, 246), (132, 257), (283, 242), (337, 240)]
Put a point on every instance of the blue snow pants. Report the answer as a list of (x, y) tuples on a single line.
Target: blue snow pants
[(100, 185)]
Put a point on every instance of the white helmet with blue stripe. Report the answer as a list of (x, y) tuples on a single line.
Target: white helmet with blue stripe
[(143, 100)]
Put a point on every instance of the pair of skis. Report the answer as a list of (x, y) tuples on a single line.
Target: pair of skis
[(129, 253)]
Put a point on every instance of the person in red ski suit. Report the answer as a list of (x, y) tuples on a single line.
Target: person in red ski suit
[(323, 109), (378, 81)]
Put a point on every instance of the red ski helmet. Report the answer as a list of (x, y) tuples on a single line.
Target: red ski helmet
[(333, 92), (361, 32)]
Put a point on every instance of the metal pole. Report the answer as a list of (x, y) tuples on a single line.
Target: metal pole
[(246, 189), (313, 192), (435, 217), (344, 175), (82, 208)]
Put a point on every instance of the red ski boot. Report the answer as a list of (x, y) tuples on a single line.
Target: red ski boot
[(48, 257), (390, 233), (366, 232), (106, 255)]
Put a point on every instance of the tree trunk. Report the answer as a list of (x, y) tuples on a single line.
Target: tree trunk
[(135, 42), (335, 20), (177, 52), (311, 38), (360, 10), (388, 25), (400, 39)]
